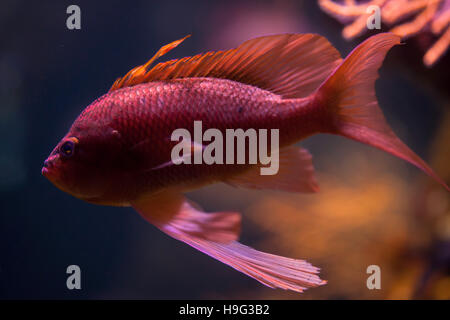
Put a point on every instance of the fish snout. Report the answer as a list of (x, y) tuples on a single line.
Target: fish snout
[(49, 164), (46, 167)]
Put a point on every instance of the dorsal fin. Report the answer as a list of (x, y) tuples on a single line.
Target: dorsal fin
[(136, 75), (291, 65)]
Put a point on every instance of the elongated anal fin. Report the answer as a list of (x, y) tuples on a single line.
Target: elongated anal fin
[(215, 235), (291, 65), (295, 173), (178, 215), (348, 96), (271, 270), (220, 227)]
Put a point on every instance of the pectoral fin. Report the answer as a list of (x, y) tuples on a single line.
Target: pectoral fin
[(192, 148)]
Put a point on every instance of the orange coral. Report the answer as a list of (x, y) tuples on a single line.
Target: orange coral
[(433, 15)]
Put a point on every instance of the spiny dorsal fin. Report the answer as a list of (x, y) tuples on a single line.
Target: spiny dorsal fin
[(136, 75), (291, 65)]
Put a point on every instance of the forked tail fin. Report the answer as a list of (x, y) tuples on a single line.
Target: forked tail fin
[(349, 98)]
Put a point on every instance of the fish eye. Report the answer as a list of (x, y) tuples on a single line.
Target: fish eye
[(68, 147)]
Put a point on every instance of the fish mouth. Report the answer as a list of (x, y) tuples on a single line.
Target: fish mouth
[(44, 171), (49, 174), (48, 170), (52, 172)]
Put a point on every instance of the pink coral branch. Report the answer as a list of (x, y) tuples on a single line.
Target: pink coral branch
[(424, 15)]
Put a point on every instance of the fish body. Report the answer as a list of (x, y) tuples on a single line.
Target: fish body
[(139, 120), (119, 150)]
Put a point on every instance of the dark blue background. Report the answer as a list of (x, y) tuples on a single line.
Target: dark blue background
[(48, 74)]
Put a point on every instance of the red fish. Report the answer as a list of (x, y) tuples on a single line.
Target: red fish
[(118, 151)]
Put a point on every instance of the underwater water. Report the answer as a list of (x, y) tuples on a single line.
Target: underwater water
[(373, 209)]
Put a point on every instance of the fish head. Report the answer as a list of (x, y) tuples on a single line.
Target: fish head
[(85, 163)]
